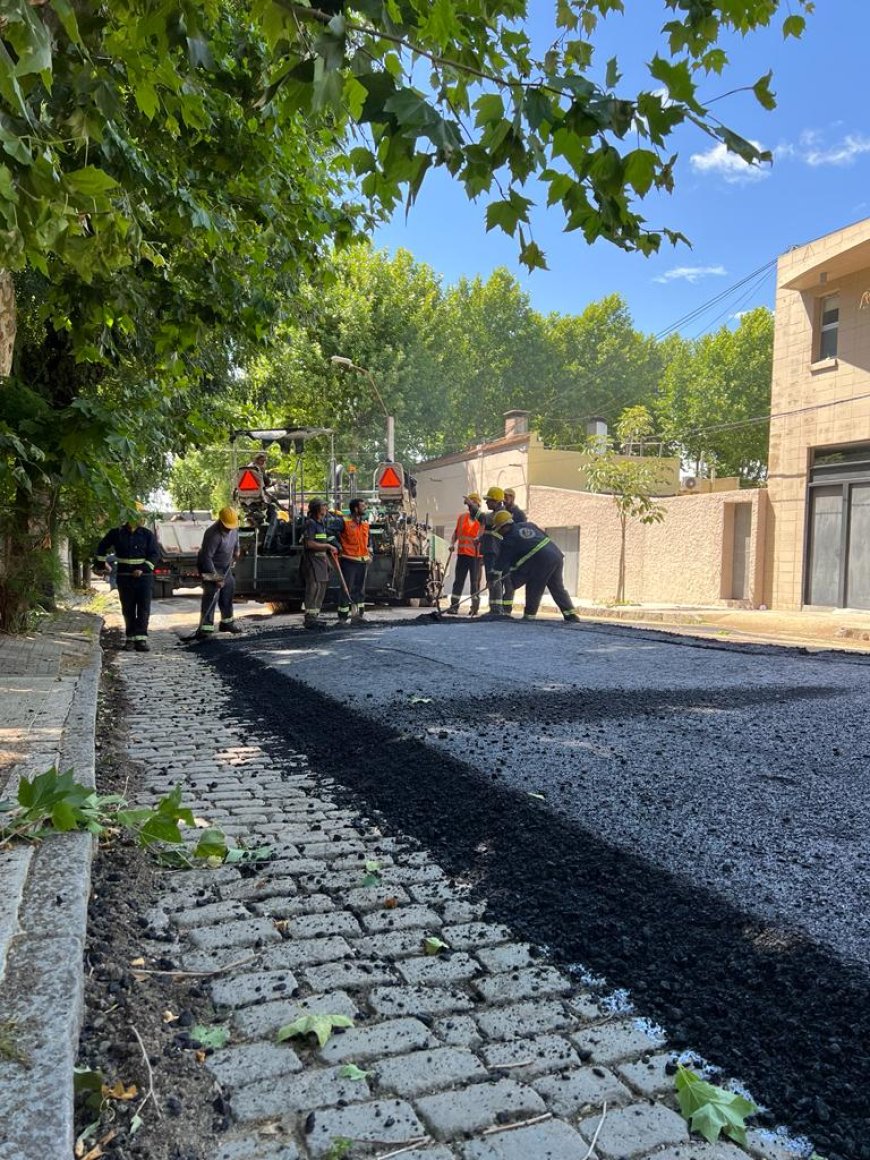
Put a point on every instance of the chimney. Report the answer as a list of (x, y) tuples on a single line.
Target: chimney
[(516, 423)]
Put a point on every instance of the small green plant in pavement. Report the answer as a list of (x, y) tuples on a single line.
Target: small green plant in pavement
[(712, 1110), (54, 801), (339, 1148)]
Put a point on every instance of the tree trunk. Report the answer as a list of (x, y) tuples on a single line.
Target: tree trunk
[(8, 322), (620, 587)]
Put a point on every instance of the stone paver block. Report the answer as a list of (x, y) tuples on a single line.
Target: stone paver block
[(323, 925), (281, 907), (701, 1150), (402, 918), (394, 1037), (268, 1017), (254, 987), (292, 1094), (508, 957), (428, 1154), (55, 899), (439, 968), (372, 1127), (552, 1140), (460, 1113), (767, 1146), (237, 1066), (212, 912), (366, 899), (259, 888), (427, 1071), (306, 953), (649, 1077), (460, 912), (411, 1000), (397, 944), (328, 851), (14, 865), (254, 1148), (582, 1089), (635, 1130), (458, 1031), (250, 933), (532, 1056), (528, 983), (613, 1042), (469, 936), (524, 1019), (352, 974)]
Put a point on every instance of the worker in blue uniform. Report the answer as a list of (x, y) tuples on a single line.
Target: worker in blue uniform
[(137, 553), (532, 559)]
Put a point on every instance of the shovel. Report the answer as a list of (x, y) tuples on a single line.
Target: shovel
[(197, 636), (440, 592), (341, 578)]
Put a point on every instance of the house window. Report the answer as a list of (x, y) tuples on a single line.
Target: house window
[(829, 325)]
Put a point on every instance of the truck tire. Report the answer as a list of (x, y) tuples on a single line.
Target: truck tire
[(285, 607), (163, 590)]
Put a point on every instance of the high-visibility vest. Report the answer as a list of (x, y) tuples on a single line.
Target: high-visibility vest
[(354, 539), (467, 529)]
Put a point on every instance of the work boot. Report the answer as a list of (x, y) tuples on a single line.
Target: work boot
[(571, 617), (492, 615), (204, 634), (453, 610), (229, 626), (143, 646), (129, 645), (475, 608)]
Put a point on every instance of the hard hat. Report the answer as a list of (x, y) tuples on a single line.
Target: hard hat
[(509, 491), (228, 517), (501, 518), (495, 493), (473, 496)]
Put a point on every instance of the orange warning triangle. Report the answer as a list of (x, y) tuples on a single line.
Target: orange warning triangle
[(390, 478), (248, 481)]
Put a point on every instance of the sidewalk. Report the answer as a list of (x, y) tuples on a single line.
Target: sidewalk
[(48, 696)]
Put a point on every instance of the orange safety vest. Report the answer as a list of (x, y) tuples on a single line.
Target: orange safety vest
[(354, 539), (467, 529)]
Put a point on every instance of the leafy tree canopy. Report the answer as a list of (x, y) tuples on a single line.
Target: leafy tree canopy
[(714, 394), (94, 99)]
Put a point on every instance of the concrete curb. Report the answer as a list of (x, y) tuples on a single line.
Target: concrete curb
[(42, 988)]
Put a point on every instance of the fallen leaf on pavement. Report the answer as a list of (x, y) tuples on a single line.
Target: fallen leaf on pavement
[(168, 1017), (140, 962), (119, 1091)]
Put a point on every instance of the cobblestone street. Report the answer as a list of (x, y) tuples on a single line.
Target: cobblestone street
[(482, 1052)]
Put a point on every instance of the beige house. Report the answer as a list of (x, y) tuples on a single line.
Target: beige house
[(818, 549), (708, 550)]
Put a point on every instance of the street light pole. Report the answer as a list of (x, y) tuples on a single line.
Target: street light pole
[(340, 361)]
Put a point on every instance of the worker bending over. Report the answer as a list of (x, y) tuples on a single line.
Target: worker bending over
[(533, 560)]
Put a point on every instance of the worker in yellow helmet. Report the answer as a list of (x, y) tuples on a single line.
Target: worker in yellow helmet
[(501, 590), (217, 554), (528, 554)]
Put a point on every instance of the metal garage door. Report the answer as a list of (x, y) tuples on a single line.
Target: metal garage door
[(568, 539)]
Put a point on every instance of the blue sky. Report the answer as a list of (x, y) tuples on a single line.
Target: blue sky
[(737, 219)]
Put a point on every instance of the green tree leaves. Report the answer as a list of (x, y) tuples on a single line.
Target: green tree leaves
[(710, 1110)]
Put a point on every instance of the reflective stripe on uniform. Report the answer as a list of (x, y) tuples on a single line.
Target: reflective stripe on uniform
[(321, 536), (138, 561), (542, 544)]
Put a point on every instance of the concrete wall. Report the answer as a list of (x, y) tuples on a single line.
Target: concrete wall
[(518, 461), (686, 559), (838, 263)]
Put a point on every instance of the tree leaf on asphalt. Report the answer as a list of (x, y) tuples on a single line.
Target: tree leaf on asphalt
[(320, 1025), (712, 1110), (372, 866), (539, 796), (210, 1036), (135, 1124)]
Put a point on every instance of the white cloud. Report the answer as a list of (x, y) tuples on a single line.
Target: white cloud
[(691, 274), (720, 161), (814, 152)]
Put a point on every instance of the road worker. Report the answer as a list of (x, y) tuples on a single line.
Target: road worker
[(501, 590), (533, 560), (354, 559), (510, 505), (217, 554), (258, 466), (137, 553), (464, 542), (316, 563)]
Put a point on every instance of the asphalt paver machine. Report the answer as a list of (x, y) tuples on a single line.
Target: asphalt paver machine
[(272, 511)]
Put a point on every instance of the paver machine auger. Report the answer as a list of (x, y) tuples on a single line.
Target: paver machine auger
[(272, 510)]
